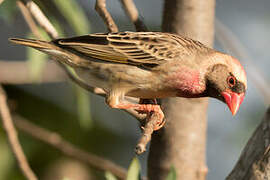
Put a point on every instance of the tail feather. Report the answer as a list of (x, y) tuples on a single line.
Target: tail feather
[(51, 49), (38, 44)]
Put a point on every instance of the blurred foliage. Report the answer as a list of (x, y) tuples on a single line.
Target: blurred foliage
[(8, 10), (109, 176), (50, 116), (74, 15), (83, 107), (134, 169), (172, 174), (6, 158), (36, 59)]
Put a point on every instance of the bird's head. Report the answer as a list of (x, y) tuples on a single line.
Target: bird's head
[(226, 81)]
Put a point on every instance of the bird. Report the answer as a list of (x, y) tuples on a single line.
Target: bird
[(149, 65)]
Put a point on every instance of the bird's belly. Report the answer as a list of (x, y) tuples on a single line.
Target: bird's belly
[(112, 77), (93, 79)]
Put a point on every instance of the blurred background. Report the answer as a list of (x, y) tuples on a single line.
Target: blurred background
[(84, 120)]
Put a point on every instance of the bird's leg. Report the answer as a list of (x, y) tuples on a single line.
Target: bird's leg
[(113, 100), (146, 101)]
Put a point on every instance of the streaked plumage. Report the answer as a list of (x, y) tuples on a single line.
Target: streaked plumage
[(148, 65)]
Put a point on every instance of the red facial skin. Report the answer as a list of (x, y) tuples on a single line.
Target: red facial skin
[(233, 100)]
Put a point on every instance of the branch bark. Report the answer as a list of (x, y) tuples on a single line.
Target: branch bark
[(17, 72), (13, 138), (133, 14), (106, 16), (254, 162), (56, 141), (181, 143)]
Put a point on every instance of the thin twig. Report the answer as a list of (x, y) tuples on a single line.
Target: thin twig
[(41, 18), (12, 137), (148, 130), (106, 16), (27, 16), (56, 141), (36, 12), (17, 72), (133, 14), (231, 43), (1, 1)]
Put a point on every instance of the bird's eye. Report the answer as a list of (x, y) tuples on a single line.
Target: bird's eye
[(231, 81)]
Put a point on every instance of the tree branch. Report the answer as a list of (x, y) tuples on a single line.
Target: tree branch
[(254, 162), (41, 18), (17, 72), (12, 137), (56, 141), (133, 14), (148, 129), (181, 143), (106, 16), (27, 16)]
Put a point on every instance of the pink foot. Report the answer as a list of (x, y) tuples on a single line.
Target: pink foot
[(146, 108)]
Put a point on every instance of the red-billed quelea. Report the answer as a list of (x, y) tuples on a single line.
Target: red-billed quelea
[(149, 65)]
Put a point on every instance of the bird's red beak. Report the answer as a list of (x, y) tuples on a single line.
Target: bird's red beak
[(233, 100)]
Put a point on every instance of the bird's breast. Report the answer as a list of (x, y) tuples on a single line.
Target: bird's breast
[(188, 82)]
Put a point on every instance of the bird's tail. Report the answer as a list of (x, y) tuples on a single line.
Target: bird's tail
[(37, 44), (48, 48)]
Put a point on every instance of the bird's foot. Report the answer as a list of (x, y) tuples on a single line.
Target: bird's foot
[(151, 109), (145, 108)]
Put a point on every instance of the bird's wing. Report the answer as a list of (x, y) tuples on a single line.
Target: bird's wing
[(147, 49)]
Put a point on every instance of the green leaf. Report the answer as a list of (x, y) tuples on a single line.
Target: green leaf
[(134, 170), (6, 158), (8, 9), (65, 178), (109, 176), (74, 15), (83, 107), (172, 174), (36, 59), (36, 62)]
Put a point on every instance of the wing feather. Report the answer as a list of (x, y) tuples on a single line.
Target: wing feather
[(136, 48)]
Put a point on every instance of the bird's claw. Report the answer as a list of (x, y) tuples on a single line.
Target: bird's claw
[(159, 122)]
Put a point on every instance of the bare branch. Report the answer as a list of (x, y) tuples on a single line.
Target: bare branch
[(17, 72), (106, 16), (254, 162), (12, 137), (231, 43), (56, 141), (41, 18), (1, 1), (148, 129), (27, 16), (133, 14)]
